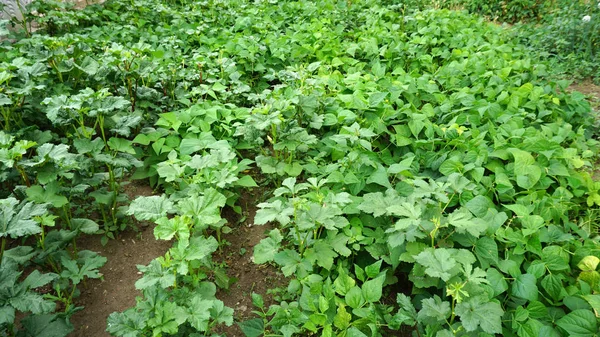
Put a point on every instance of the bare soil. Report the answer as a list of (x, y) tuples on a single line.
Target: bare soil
[(116, 290), (588, 88), (238, 257)]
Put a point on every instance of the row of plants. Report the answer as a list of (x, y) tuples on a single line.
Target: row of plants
[(564, 32), (424, 173), (65, 151), (568, 35)]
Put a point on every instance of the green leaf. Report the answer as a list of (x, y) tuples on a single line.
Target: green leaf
[(372, 270), (478, 311), (354, 297), (198, 311), (372, 289), (204, 209), (267, 248), (436, 308), (480, 206), (126, 324), (354, 332), (321, 254), (141, 139), (291, 262), (7, 315), (120, 145), (293, 169), (16, 219), (19, 254), (150, 208), (86, 226), (258, 301), (49, 325), (246, 181), (200, 247), (380, 177), (4, 100), (252, 328), (89, 66), (41, 195), (589, 263), (437, 262), (288, 330), (155, 273), (537, 268), (594, 301), (191, 145), (377, 203), (527, 172), (552, 284), (343, 283), (167, 318), (531, 224), (32, 302), (339, 244), (221, 314), (403, 166), (524, 286), (273, 211), (575, 303), (407, 312), (168, 228), (91, 263), (537, 310), (579, 323), (342, 318), (486, 250), (452, 165), (464, 222)]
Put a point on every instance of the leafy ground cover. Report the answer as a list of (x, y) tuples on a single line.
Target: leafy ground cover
[(565, 33), (417, 172)]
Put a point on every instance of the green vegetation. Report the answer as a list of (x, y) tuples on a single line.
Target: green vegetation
[(564, 32), (423, 169)]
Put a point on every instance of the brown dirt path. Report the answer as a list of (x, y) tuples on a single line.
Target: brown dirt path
[(116, 290), (588, 88), (238, 257)]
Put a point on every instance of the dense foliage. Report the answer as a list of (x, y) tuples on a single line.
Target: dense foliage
[(509, 10), (422, 171), (568, 34), (564, 32)]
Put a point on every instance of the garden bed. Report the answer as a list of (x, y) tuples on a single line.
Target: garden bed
[(284, 168)]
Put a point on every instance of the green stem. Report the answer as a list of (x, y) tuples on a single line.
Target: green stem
[(69, 299), (74, 247), (55, 67), (101, 122), (66, 215), (23, 175), (23, 19), (296, 227), (2, 248), (6, 116), (453, 314), (302, 246), (219, 238), (114, 188), (52, 264), (103, 216), (43, 237)]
